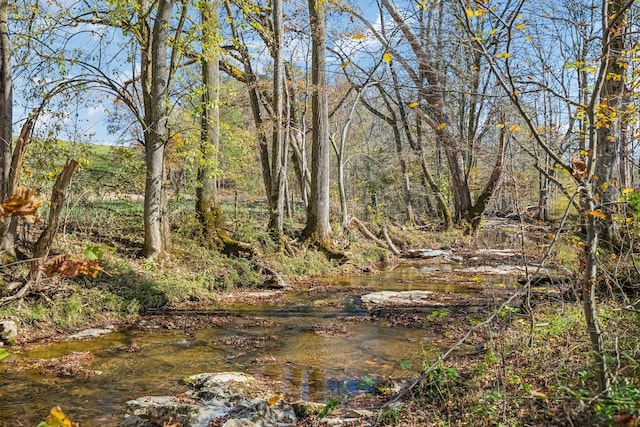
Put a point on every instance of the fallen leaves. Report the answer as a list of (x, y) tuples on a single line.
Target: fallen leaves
[(68, 267)]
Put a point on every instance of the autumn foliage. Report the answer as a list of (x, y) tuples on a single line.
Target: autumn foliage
[(23, 203), (66, 266)]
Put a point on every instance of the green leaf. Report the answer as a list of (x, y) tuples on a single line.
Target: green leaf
[(3, 353), (93, 253), (405, 364)]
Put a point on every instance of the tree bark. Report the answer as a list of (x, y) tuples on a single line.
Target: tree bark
[(43, 244), (156, 134), (207, 203), (8, 225), (317, 225), (6, 101), (278, 149)]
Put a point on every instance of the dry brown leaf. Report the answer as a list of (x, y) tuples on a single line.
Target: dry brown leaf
[(23, 203), (68, 267)]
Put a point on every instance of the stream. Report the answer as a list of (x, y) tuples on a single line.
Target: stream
[(308, 345)]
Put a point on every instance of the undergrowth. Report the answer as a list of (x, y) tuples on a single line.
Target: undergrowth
[(525, 377)]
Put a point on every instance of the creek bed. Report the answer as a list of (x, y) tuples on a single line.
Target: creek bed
[(308, 345)]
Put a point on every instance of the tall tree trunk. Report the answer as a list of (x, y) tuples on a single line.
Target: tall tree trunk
[(6, 100), (207, 204), (156, 134), (607, 122), (8, 225), (317, 225), (278, 151)]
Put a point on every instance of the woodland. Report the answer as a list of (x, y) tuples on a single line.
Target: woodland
[(267, 139)]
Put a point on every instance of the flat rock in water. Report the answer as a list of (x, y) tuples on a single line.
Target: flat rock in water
[(503, 270), (399, 298), (91, 333), (428, 253)]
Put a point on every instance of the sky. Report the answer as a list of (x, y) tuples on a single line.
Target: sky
[(86, 117)]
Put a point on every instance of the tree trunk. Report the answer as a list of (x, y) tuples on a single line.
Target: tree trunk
[(607, 122), (6, 101), (317, 226), (156, 133), (589, 285), (207, 203), (278, 151), (7, 226)]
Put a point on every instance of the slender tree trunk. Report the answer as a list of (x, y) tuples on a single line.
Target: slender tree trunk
[(317, 226), (278, 151), (6, 100), (8, 226), (207, 204), (157, 132)]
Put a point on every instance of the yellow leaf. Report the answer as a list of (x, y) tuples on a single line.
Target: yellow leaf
[(413, 104), (611, 138), (345, 64), (627, 190), (493, 31), (476, 39), (480, 13), (441, 126), (520, 27), (514, 128), (274, 399), (614, 256), (387, 57), (597, 214), (528, 38), (604, 186), (469, 13), (502, 55), (357, 36), (58, 418), (370, 362), (500, 125)]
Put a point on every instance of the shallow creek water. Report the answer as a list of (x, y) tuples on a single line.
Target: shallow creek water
[(311, 346)]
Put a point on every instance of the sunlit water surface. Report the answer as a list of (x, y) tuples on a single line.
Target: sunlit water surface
[(313, 347)]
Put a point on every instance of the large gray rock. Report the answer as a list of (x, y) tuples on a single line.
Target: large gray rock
[(412, 298), (239, 396), (8, 331), (227, 386), (158, 410)]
